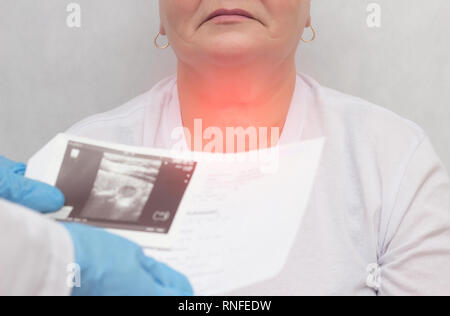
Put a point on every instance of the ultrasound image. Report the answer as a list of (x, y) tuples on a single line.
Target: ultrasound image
[(122, 188)]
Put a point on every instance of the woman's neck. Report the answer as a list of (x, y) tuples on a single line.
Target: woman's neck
[(246, 97)]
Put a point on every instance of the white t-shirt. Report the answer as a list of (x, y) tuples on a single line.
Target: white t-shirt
[(378, 220)]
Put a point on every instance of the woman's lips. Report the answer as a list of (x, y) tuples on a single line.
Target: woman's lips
[(228, 16)]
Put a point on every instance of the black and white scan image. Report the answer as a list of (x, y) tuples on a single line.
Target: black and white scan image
[(122, 190)]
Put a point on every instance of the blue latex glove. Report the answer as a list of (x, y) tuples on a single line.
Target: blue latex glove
[(109, 264), (34, 195), (113, 266)]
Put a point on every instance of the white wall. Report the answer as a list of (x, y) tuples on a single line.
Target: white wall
[(52, 76)]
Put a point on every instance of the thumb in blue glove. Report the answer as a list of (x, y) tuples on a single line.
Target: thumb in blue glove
[(113, 266), (34, 195)]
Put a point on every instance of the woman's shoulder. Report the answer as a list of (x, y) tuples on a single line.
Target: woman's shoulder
[(356, 118), (127, 120)]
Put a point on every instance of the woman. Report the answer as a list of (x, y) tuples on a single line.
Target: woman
[(381, 201)]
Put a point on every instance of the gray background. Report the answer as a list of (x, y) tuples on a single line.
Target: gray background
[(51, 76)]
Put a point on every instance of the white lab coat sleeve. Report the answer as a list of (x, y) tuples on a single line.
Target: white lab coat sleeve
[(416, 256), (34, 253)]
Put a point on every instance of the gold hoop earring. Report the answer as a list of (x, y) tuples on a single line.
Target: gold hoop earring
[(157, 44), (313, 36)]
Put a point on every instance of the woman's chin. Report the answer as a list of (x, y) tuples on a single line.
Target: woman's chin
[(232, 51)]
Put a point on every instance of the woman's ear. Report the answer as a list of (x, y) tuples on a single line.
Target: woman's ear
[(162, 30), (309, 22)]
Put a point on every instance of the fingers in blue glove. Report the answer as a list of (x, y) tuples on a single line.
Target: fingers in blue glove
[(166, 276), (5, 163), (35, 195), (111, 265)]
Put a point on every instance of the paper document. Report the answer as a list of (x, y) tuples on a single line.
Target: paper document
[(225, 223)]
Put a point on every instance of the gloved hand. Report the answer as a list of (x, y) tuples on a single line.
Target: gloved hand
[(113, 266), (109, 264), (34, 195)]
